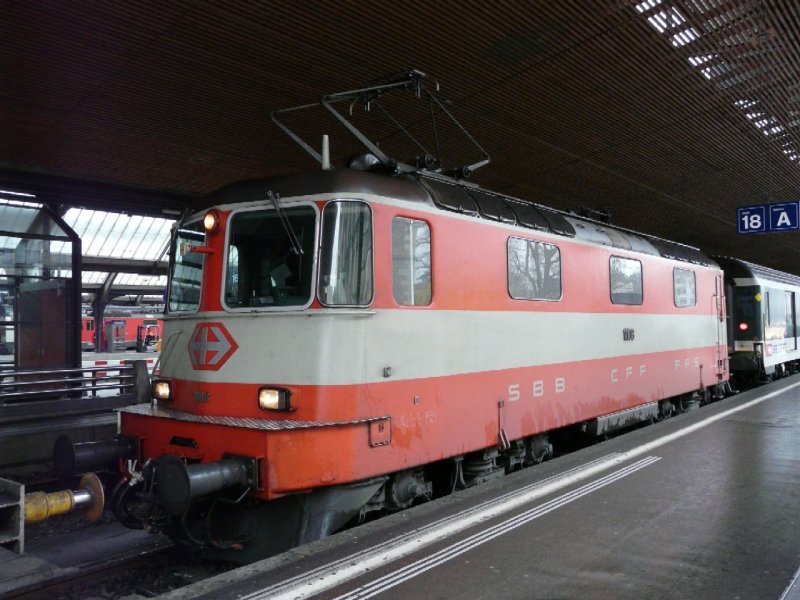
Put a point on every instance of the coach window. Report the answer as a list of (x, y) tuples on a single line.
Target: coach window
[(411, 262), (766, 308), (345, 274), (626, 281), (776, 301), (685, 288), (534, 270)]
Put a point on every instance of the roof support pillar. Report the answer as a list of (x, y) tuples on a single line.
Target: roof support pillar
[(99, 305)]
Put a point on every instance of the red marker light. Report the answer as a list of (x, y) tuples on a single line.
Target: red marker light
[(743, 327)]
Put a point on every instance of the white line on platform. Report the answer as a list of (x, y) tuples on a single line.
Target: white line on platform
[(429, 562), (329, 576), (792, 590)]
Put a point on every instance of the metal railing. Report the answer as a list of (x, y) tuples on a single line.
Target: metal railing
[(81, 390), (21, 386)]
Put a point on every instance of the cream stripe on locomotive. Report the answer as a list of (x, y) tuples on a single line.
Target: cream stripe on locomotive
[(331, 348)]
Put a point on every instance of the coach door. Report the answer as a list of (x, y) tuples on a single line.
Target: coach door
[(722, 326)]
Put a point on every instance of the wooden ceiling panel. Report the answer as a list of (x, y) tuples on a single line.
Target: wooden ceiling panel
[(671, 113)]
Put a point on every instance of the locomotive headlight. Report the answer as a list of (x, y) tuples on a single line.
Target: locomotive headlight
[(211, 221), (273, 398), (162, 390)]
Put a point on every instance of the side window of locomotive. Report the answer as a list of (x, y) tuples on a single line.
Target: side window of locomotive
[(264, 269), (534, 270), (411, 262), (685, 288), (626, 281), (187, 268), (345, 273)]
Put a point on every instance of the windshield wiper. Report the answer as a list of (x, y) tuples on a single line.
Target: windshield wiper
[(287, 226)]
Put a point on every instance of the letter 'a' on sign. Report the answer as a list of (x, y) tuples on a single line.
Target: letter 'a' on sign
[(783, 217)]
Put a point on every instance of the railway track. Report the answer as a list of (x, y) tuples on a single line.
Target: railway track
[(87, 577), (146, 574)]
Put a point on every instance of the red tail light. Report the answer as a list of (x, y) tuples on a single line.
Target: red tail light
[(743, 327)]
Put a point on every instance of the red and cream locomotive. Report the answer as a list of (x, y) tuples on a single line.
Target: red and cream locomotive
[(352, 340)]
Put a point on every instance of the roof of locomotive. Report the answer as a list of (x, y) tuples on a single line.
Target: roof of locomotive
[(322, 183), (453, 195), (736, 268)]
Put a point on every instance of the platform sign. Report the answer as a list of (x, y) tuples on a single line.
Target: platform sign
[(752, 219), (763, 218), (783, 217)]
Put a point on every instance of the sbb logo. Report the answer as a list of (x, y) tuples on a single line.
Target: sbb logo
[(210, 346)]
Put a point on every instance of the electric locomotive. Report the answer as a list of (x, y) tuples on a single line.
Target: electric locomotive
[(354, 340)]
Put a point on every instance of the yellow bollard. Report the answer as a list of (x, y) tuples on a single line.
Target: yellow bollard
[(40, 506)]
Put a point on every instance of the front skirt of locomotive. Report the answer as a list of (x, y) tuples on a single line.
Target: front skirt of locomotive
[(238, 487)]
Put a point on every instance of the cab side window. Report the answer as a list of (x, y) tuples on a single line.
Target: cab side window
[(411, 262), (626, 281), (684, 288)]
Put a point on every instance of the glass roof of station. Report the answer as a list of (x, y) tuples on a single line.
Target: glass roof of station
[(103, 235), (117, 235), (736, 35)]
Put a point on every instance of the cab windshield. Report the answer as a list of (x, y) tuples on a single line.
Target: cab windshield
[(345, 273), (186, 268), (264, 269)]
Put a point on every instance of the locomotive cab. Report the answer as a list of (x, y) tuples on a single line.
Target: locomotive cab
[(239, 410)]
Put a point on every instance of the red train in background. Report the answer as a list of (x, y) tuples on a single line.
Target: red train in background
[(348, 342), (123, 332)]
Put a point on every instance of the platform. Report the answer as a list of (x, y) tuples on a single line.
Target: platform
[(705, 505)]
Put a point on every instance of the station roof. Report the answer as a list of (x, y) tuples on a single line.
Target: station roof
[(670, 113), (134, 247)]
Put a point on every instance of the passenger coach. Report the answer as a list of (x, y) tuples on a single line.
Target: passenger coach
[(762, 330)]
